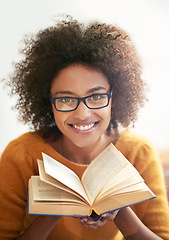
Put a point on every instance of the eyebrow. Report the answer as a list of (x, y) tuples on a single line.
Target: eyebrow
[(89, 91), (64, 92), (96, 89)]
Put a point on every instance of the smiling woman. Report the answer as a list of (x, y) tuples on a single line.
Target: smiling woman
[(70, 43), (79, 87)]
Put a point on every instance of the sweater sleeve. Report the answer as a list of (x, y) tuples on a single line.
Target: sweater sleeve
[(16, 167), (153, 213)]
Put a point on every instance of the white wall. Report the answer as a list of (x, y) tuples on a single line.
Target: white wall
[(146, 20)]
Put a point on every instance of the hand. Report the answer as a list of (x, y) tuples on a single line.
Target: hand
[(86, 222)]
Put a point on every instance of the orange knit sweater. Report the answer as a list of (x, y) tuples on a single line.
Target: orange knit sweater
[(19, 162)]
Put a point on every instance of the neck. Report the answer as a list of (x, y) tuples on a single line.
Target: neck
[(82, 155)]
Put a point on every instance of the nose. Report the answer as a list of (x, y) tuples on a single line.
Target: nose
[(82, 112)]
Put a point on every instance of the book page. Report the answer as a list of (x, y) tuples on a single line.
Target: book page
[(141, 186), (125, 189), (45, 192), (50, 180), (119, 187), (59, 207), (63, 174), (122, 200), (126, 177), (99, 171)]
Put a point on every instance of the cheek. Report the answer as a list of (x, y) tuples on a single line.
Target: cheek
[(108, 119), (105, 115), (58, 118), (108, 116)]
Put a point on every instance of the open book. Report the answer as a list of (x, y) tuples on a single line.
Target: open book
[(110, 182)]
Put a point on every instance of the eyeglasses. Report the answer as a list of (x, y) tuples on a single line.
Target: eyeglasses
[(94, 101)]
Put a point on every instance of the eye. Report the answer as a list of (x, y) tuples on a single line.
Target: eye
[(96, 97), (66, 100)]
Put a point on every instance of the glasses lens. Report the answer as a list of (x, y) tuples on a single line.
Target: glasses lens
[(66, 104), (97, 101)]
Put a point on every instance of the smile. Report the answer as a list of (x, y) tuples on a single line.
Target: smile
[(83, 128), (86, 127)]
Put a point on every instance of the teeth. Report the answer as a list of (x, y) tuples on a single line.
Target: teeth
[(84, 127)]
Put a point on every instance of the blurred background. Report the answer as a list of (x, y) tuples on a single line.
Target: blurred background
[(147, 21)]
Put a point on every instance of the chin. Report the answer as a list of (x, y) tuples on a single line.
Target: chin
[(85, 142)]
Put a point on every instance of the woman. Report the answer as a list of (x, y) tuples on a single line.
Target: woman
[(77, 87)]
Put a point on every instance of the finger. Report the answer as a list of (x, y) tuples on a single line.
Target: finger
[(114, 214), (111, 216), (97, 224), (101, 222), (84, 220), (90, 225)]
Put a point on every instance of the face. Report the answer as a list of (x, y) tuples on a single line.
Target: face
[(83, 127)]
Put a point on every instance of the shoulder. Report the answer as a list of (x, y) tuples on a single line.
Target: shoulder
[(29, 140), (137, 148), (23, 150), (130, 140), (143, 156)]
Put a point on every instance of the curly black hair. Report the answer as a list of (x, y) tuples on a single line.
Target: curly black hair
[(103, 47)]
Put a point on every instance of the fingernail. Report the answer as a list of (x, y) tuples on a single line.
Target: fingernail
[(84, 219)]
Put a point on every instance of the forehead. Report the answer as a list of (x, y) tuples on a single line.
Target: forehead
[(77, 77)]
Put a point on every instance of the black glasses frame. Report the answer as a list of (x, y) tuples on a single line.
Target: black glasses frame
[(83, 99)]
